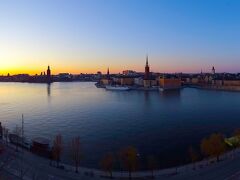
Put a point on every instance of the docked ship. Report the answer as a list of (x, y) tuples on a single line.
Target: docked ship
[(117, 88), (18, 141)]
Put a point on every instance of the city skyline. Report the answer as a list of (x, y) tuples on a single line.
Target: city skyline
[(89, 36)]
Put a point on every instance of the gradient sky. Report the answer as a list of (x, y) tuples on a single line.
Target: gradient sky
[(90, 35)]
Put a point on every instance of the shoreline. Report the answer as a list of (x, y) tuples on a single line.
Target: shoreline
[(205, 87), (186, 169), (217, 88)]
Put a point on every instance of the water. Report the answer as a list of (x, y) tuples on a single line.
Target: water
[(161, 124)]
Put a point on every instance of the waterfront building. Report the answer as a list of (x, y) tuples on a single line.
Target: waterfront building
[(138, 81), (194, 80), (218, 82), (208, 79), (231, 82), (170, 82), (148, 80), (129, 73), (106, 80), (64, 77), (127, 81)]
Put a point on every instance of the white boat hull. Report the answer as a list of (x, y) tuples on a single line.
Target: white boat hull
[(117, 88), (168, 88)]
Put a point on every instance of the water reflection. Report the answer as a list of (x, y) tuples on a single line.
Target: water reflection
[(173, 94), (49, 90), (161, 121)]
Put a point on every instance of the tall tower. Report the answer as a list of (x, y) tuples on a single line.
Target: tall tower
[(108, 75), (213, 70), (147, 69), (48, 75)]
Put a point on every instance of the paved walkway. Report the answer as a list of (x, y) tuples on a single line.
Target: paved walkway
[(224, 170), (38, 168)]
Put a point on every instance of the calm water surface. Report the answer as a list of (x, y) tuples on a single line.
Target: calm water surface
[(160, 124)]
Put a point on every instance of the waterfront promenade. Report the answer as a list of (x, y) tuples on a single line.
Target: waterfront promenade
[(34, 167)]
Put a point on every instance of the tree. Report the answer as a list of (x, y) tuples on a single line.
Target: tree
[(152, 164), (57, 148), (129, 158), (213, 146), (194, 155), (237, 132), (107, 163), (236, 138), (76, 152)]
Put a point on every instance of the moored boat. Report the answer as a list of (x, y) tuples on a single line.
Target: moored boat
[(117, 88), (168, 88), (18, 140)]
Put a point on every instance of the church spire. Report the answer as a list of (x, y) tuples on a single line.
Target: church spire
[(147, 60), (147, 70), (213, 70)]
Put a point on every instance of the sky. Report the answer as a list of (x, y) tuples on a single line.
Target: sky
[(86, 36)]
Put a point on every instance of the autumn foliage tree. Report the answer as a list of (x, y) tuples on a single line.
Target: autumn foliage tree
[(237, 132), (57, 148), (107, 163), (213, 146), (152, 164), (129, 159), (76, 152), (194, 155), (236, 135)]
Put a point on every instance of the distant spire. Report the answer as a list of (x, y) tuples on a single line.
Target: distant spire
[(213, 70), (48, 67), (108, 71), (147, 60)]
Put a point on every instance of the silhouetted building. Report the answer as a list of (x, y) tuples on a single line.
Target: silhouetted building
[(107, 79), (49, 80), (108, 75), (147, 70), (213, 70), (149, 80)]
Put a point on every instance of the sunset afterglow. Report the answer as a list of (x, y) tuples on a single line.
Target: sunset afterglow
[(86, 37)]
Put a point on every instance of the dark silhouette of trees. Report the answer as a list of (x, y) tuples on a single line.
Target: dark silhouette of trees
[(76, 152), (129, 159), (213, 146), (57, 148), (152, 164), (107, 163)]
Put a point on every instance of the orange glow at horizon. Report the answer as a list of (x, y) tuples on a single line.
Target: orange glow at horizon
[(92, 70)]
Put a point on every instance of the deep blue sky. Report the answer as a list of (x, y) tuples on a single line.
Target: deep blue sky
[(90, 35)]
